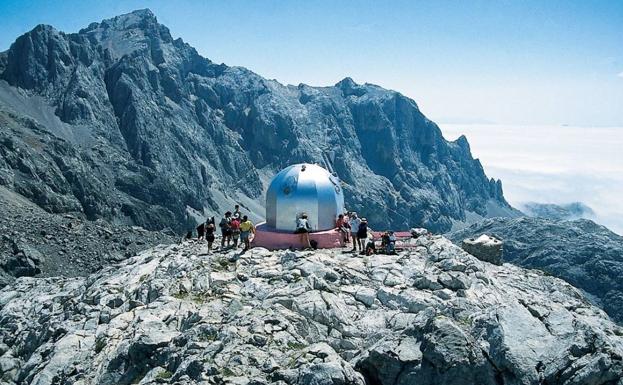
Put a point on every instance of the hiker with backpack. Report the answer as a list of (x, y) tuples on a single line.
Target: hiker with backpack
[(209, 232), (303, 227), (234, 227), (246, 229), (224, 224), (362, 234), (201, 231)]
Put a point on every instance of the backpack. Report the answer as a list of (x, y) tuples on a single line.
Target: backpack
[(363, 230), (301, 223), (235, 224), (224, 224)]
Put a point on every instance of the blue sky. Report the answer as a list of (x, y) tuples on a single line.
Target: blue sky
[(516, 62)]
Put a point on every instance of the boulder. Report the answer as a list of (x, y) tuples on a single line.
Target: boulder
[(485, 247)]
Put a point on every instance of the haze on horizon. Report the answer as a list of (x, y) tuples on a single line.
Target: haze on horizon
[(521, 62)]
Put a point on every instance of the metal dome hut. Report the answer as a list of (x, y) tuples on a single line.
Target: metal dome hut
[(297, 189)]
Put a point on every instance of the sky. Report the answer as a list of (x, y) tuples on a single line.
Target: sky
[(507, 62), (553, 164)]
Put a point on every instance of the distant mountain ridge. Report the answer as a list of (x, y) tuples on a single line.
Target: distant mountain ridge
[(573, 210), (121, 121)]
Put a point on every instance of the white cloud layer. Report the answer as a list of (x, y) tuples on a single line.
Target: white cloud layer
[(553, 164)]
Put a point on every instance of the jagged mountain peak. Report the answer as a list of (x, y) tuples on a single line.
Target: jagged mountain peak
[(347, 82), (190, 136), (43, 28), (463, 143), (131, 32), (349, 87), (140, 18)]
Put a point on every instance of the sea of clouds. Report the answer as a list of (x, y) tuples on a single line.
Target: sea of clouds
[(552, 164)]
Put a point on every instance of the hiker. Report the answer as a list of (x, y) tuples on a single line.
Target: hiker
[(234, 227), (303, 228), (209, 230), (347, 226), (388, 241), (340, 224), (201, 231), (362, 234), (391, 245), (225, 230), (237, 213), (355, 222), (246, 228), (370, 245)]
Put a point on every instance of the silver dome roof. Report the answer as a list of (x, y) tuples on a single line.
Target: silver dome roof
[(304, 188)]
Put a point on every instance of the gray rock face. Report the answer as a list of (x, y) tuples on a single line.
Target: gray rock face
[(583, 253), (120, 121), (177, 314)]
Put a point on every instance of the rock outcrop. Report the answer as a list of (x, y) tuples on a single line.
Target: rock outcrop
[(485, 248), (583, 253), (120, 121), (430, 315)]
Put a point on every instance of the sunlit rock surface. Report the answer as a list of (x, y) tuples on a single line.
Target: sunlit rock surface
[(583, 253), (430, 315)]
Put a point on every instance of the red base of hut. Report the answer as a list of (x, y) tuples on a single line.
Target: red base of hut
[(273, 239)]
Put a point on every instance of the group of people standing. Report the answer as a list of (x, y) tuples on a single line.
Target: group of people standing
[(353, 228), (356, 229), (235, 228)]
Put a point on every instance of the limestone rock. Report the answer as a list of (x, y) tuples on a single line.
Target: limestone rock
[(583, 253), (485, 247), (336, 321)]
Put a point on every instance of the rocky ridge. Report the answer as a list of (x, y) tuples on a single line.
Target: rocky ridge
[(583, 253), (123, 122), (432, 314)]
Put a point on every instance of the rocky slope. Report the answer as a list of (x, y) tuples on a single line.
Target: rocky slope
[(430, 315), (583, 253), (36, 243), (121, 121)]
